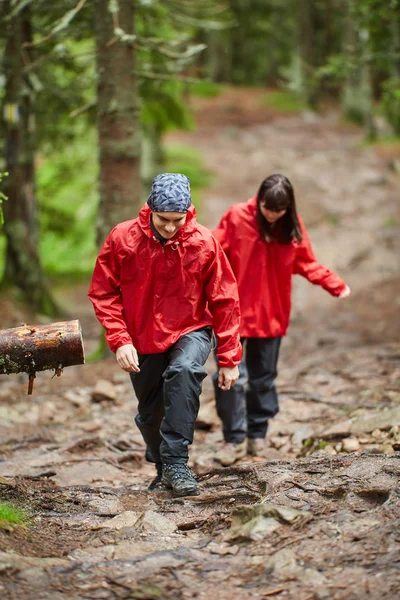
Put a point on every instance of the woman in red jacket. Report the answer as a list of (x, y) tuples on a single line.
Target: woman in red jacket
[(266, 244)]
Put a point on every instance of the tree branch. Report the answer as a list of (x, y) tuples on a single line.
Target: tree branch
[(62, 24)]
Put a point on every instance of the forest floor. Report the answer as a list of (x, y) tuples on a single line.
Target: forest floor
[(319, 516)]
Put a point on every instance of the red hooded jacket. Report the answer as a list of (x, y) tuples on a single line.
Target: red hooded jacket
[(264, 270), (150, 295)]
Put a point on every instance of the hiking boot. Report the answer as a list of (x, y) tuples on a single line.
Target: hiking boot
[(230, 453), (156, 483), (256, 446), (179, 479)]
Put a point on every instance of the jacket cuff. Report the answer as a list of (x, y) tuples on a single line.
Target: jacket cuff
[(121, 341)]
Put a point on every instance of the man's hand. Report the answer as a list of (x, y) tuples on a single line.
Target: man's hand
[(227, 377), (346, 292), (127, 358)]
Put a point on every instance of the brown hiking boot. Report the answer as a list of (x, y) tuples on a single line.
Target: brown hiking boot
[(256, 446), (230, 453)]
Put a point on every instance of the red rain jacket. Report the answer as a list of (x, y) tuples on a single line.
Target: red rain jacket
[(264, 271), (149, 295)]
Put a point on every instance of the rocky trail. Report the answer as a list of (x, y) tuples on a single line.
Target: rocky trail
[(318, 517)]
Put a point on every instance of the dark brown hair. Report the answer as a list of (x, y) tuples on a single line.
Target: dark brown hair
[(276, 193)]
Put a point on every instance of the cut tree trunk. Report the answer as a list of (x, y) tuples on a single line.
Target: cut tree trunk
[(29, 349)]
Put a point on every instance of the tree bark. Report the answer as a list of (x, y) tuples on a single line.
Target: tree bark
[(117, 118), (307, 42), (41, 347), (357, 93), (23, 267)]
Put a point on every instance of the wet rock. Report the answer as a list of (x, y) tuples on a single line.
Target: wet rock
[(302, 433), (386, 448), (222, 549), (91, 426), (284, 564), (86, 472), (127, 518), (104, 390), (152, 521), (77, 397), (258, 521), (378, 420), (106, 506), (371, 421), (378, 435), (350, 445)]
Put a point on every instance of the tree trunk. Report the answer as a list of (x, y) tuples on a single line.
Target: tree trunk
[(30, 349), (152, 159), (117, 118), (308, 49), (357, 94), (23, 267)]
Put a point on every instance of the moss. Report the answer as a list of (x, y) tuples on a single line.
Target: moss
[(10, 515)]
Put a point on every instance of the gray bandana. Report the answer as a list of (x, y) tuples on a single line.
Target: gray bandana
[(170, 192)]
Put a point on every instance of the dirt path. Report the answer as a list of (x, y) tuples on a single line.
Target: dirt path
[(333, 461)]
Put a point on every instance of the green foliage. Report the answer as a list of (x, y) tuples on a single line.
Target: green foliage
[(10, 515), (261, 40), (391, 102), (285, 101), (67, 196), (163, 105), (66, 87)]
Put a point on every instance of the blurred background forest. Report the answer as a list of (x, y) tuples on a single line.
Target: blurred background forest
[(89, 88)]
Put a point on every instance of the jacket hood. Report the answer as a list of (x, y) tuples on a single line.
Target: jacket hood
[(184, 232)]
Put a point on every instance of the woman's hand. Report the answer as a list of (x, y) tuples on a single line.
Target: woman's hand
[(127, 358), (346, 292), (227, 377)]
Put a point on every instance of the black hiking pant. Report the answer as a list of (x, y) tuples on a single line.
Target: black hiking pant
[(168, 389), (247, 411)]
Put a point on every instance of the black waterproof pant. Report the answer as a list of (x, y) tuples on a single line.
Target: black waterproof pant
[(247, 411), (168, 389)]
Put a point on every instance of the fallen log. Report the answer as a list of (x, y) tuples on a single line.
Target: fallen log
[(29, 349)]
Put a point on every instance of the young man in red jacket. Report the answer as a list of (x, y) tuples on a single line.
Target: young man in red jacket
[(161, 284)]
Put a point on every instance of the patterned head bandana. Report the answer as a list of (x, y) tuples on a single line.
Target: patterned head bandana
[(170, 192)]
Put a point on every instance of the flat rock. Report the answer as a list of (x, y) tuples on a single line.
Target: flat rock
[(350, 445), (152, 521), (367, 423), (106, 506), (104, 390), (128, 518), (124, 550)]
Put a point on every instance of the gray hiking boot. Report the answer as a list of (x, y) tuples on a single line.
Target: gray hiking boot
[(257, 447), (179, 479), (230, 453)]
